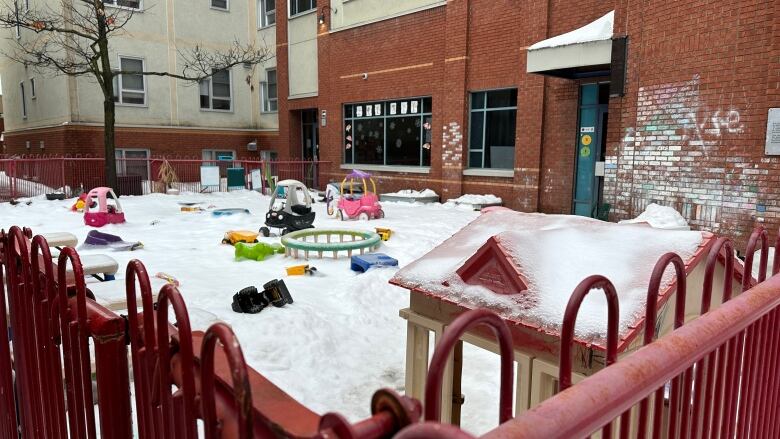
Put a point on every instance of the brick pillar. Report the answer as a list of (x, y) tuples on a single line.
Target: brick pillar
[(283, 79), (454, 109), (530, 120)]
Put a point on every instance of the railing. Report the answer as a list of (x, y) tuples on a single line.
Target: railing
[(59, 340), (27, 177), (713, 377)]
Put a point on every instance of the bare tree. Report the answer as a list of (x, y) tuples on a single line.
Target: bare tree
[(73, 39)]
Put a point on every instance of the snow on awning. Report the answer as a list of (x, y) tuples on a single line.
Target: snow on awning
[(583, 52)]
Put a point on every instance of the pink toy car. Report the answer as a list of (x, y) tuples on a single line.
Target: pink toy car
[(98, 211), (362, 204)]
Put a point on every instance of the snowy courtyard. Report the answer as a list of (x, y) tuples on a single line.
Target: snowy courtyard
[(340, 340)]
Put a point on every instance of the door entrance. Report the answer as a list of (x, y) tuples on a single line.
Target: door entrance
[(591, 142), (310, 137)]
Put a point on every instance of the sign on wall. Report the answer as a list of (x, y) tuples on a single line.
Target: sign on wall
[(773, 132)]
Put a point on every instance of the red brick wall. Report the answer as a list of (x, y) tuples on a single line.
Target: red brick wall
[(692, 125), (445, 53), (83, 140)]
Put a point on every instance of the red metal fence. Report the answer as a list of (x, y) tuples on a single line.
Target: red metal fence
[(717, 376), (713, 377), (27, 177)]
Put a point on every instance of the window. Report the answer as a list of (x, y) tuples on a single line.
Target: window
[(129, 87), (269, 90), (132, 4), (266, 12), (394, 133), (492, 129), (215, 92), (220, 4), (32, 88), (24, 101), (132, 162), (216, 154), (301, 6)]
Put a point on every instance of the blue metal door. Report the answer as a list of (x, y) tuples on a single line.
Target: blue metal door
[(589, 150)]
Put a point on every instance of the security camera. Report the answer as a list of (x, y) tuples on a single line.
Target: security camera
[(365, 76)]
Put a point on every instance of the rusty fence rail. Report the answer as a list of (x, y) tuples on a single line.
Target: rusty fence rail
[(30, 176)]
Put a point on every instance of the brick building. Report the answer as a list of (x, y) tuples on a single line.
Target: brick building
[(478, 96)]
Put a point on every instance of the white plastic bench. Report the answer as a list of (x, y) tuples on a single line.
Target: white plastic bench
[(95, 265), (61, 239)]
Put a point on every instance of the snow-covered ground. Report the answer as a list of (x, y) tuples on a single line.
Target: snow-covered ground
[(342, 338)]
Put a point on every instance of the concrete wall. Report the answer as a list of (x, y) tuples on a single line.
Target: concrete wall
[(348, 13), (302, 48)]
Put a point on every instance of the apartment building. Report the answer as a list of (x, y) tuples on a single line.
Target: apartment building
[(555, 106), (57, 114)]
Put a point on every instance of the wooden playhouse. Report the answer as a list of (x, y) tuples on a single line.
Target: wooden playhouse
[(525, 267)]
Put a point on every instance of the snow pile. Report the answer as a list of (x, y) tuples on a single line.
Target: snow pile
[(476, 199), (598, 30), (660, 217), (555, 252), (410, 193), (757, 262), (340, 341), (25, 188)]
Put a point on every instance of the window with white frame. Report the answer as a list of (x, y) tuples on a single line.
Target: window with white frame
[(301, 6), (32, 88), (492, 129), (219, 155), (220, 4), (270, 93), (131, 4), (24, 100), (132, 161), (215, 92), (266, 12), (129, 86)]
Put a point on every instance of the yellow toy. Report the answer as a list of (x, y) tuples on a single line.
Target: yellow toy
[(191, 209), (383, 233), (300, 270), (234, 236)]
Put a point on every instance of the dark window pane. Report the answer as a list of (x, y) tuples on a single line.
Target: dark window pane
[(204, 101), (604, 93), (500, 139), (475, 129), (403, 141), (427, 105), (221, 4), (475, 159), (369, 141), (129, 3), (221, 104), (502, 98), (348, 111), (478, 100)]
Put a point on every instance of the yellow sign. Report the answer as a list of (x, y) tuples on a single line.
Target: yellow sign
[(585, 151), (586, 139)]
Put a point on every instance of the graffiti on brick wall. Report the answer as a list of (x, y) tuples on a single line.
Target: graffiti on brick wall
[(452, 145), (671, 154)]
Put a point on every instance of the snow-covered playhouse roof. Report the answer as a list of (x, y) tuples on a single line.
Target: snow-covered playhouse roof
[(526, 265)]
